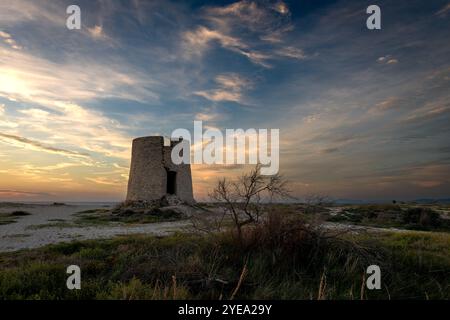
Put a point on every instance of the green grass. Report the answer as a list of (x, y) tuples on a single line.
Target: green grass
[(419, 262), (104, 217), (277, 260), (8, 218), (52, 224), (393, 216)]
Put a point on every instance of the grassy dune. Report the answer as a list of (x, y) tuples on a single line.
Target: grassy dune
[(7, 218), (281, 259)]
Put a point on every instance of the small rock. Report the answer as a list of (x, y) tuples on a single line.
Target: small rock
[(170, 200)]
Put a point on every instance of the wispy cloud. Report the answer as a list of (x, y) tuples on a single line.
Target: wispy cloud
[(23, 76), (389, 104), (444, 11), (96, 31), (267, 23), (388, 59), (6, 37), (230, 88), (428, 112), (107, 181), (36, 145), (199, 40), (53, 89), (23, 10), (258, 17), (291, 52), (19, 193)]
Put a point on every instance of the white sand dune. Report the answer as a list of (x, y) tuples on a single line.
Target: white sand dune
[(30, 232)]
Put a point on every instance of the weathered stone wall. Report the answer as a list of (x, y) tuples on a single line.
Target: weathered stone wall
[(150, 162), (184, 177)]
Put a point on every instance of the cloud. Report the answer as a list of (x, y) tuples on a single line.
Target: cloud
[(36, 145), (428, 112), (54, 97), (18, 193), (23, 10), (211, 114), (106, 181), (8, 124), (387, 60), (206, 116), (391, 103), (199, 40), (230, 88), (27, 77), (330, 150), (258, 17), (6, 37), (96, 31), (428, 183), (444, 11), (89, 130), (54, 167), (219, 95), (291, 52), (48, 14), (242, 27), (233, 81), (5, 123)]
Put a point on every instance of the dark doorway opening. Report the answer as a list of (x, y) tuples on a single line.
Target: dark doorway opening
[(171, 182)]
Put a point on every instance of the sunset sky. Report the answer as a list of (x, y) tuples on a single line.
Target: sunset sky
[(363, 114)]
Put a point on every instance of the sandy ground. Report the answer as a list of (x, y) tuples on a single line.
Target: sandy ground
[(31, 231), (27, 231)]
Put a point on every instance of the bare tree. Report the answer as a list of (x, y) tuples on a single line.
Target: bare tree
[(244, 197)]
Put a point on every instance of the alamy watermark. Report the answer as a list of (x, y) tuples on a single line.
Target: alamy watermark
[(74, 280), (73, 21), (236, 146), (374, 279), (373, 22)]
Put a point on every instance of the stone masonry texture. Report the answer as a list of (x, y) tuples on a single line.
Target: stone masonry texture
[(152, 169)]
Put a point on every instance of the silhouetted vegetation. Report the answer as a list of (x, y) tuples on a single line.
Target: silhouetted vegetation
[(393, 215), (128, 216), (7, 218), (243, 199)]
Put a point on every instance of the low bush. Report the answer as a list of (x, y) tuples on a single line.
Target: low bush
[(422, 217), (391, 215)]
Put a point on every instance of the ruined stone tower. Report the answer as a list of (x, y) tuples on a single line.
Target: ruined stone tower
[(153, 175)]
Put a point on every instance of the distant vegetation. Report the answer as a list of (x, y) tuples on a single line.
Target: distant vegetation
[(7, 218), (127, 216), (393, 215)]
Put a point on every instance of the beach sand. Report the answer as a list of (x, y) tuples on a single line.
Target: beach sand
[(36, 230)]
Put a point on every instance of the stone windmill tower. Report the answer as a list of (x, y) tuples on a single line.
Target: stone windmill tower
[(154, 176)]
